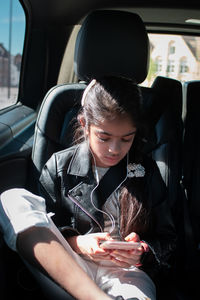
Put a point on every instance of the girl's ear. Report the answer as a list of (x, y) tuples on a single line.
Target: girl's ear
[(83, 124)]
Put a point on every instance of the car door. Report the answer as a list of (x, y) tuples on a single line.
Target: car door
[(17, 119)]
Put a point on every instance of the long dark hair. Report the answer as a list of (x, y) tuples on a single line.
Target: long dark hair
[(134, 207), (106, 99)]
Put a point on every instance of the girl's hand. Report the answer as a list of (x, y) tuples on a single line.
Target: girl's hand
[(89, 245), (134, 237), (129, 258)]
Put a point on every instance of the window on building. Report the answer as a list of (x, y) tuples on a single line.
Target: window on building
[(170, 66), (158, 64), (184, 65), (12, 29), (172, 47)]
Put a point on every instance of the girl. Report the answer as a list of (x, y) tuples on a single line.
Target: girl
[(101, 189)]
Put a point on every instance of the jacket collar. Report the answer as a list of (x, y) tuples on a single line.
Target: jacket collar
[(80, 164)]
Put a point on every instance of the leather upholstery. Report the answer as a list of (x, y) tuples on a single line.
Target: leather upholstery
[(112, 43), (191, 157), (164, 140), (98, 50), (54, 124)]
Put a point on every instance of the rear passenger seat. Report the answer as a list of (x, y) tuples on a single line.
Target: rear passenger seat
[(164, 144), (191, 164), (175, 146)]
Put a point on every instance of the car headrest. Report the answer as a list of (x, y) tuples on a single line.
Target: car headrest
[(112, 43)]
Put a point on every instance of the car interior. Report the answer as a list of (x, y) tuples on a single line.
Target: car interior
[(67, 43)]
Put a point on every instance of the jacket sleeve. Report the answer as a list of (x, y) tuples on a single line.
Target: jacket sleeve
[(162, 236), (49, 187)]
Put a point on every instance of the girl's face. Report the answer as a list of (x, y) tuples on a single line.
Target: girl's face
[(111, 140)]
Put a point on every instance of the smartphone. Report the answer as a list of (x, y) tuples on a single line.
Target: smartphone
[(120, 245)]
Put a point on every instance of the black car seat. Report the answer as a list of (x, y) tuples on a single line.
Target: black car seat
[(191, 168), (164, 139), (108, 43), (112, 43), (163, 102)]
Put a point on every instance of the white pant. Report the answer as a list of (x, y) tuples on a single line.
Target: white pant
[(115, 281)]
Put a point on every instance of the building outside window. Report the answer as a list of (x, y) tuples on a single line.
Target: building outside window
[(174, 56)]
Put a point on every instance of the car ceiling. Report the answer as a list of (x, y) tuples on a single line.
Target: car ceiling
[(165, 16)]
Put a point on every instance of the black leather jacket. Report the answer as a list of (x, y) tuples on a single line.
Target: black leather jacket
[(66, 183)]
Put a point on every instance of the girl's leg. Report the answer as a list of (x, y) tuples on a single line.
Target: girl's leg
[(129, 283)]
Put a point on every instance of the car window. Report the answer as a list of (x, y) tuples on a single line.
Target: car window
[(174, 56), (12, 29)]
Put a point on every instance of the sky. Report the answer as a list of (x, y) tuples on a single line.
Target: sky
[(18, 25)]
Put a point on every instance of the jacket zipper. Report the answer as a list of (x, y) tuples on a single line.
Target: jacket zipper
[(85, 211)]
